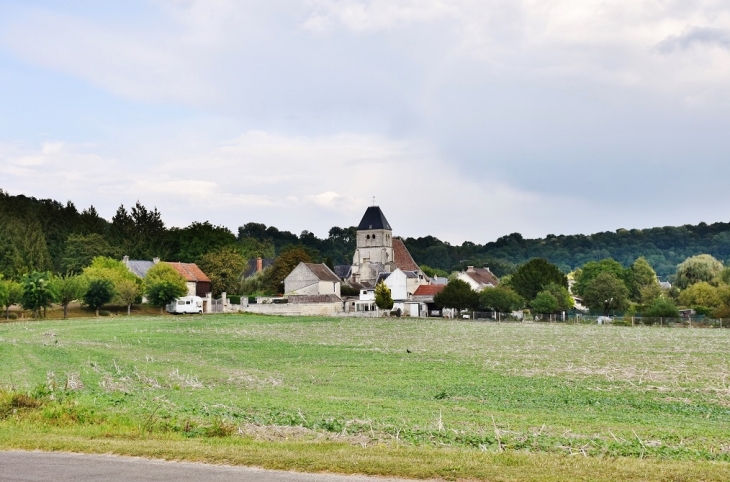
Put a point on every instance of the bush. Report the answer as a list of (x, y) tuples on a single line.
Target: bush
[(235, 299), (12, 316), (104, 313)]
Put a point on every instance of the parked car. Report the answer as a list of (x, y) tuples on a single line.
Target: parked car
[(186, 304)]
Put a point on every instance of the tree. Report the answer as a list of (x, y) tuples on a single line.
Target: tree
[(38, 292), (383, 299), (458, 295), (23, 246), (127, 292), (13, 295), (532, 277), (562, 296), (661, 307), (112, 270), (702, 267), (140, 234), (79, 251), (4, 292), (606, 292), (68, 289), (164, 284), (99, 292), (641, 275), (700, 294), (193, 242), (283, 265), (544, 303), (592, 269), (500, 299), (225, 269), (650, 293)]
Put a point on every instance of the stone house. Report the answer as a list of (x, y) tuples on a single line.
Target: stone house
[(312, 279)]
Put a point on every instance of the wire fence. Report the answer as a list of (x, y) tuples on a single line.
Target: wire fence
[(578, 319)]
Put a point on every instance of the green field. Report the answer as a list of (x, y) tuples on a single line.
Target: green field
[(470, 400)]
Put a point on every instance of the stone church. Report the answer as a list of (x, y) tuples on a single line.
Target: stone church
[(379, 253)]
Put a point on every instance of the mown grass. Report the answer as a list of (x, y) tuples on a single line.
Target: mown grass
[(504, 395)]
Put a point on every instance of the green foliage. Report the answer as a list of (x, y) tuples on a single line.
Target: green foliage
[(80, 250), (661, 307), (127, 292), (433, 272), (347, 290), (458, 295), (532, 277), (112, 270), (164, 284), (69, 288), (13, 294), (99, 292), (383, 298), (162, 293), (544, 303), (591, 270), (698, 268), (501, 299), (190, 244), (140, 233), (22, 246), (650, 293), (225, 269), (562, 296), (256, 285), (701, 293), (606, 292), (38, 291)]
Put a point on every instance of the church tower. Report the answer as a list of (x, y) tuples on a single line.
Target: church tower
[(374, 253)]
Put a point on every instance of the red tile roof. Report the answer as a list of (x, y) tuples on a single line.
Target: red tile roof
[(428, 290), (190, 271), (402, 258)]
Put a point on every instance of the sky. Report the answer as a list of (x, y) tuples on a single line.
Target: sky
[(463, 119)]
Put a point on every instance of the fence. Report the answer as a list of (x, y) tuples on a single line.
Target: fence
[(682, 322)]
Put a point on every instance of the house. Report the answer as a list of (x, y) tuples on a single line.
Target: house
[(139, 267), (424, 294), (312, 279), (478, 278), (402, 284), (198, 282)]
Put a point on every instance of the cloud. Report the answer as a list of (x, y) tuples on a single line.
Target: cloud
[(695, 36)]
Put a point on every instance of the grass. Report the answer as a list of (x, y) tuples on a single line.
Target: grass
[(471, 400)]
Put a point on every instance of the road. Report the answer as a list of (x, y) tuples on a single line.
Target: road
[(58, 466)]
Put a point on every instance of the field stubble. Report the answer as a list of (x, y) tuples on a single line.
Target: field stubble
[(584, 391)]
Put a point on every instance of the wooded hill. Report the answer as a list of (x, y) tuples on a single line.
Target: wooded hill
[(45, 234)]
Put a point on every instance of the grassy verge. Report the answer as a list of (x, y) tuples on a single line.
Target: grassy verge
[(467, 400)]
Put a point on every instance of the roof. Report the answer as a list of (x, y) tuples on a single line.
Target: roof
[(439, 281), (410, 274), (402, 258), (139, 267), (382, 277), (343, 271), (428, 290), (190, 272), (322, 272), (482, 276), (330, 298), (373, 219)]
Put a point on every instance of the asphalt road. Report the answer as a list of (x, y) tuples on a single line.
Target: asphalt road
[(56, 466)]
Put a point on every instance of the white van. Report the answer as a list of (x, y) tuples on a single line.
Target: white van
[(186, 304)]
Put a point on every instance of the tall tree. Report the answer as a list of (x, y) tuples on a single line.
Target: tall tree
[(544, 303), (606, 292), (99, 292), (13, 295), (700, 294), (164, 284), (592, 269), (225, 269), (127, 292), (81, 249), (190, 244), (283, 265), (702, 267), (532, 277), (112, 270)]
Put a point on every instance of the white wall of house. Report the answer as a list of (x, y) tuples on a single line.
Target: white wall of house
[(191, 288), (328, 287), (398, 284), (470, 281), (367, 295), (302, 281)]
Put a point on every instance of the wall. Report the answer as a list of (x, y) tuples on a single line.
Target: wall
[(298, 309)]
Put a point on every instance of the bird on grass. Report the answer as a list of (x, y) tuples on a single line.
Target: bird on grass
[(408, 351)]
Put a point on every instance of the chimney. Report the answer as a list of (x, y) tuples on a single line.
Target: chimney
[(487, 268), (155, 260), (125, 260), (259, 264), (470, 269)]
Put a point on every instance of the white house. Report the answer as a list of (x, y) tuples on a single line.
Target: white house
[(478, 278), (312, 279)]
